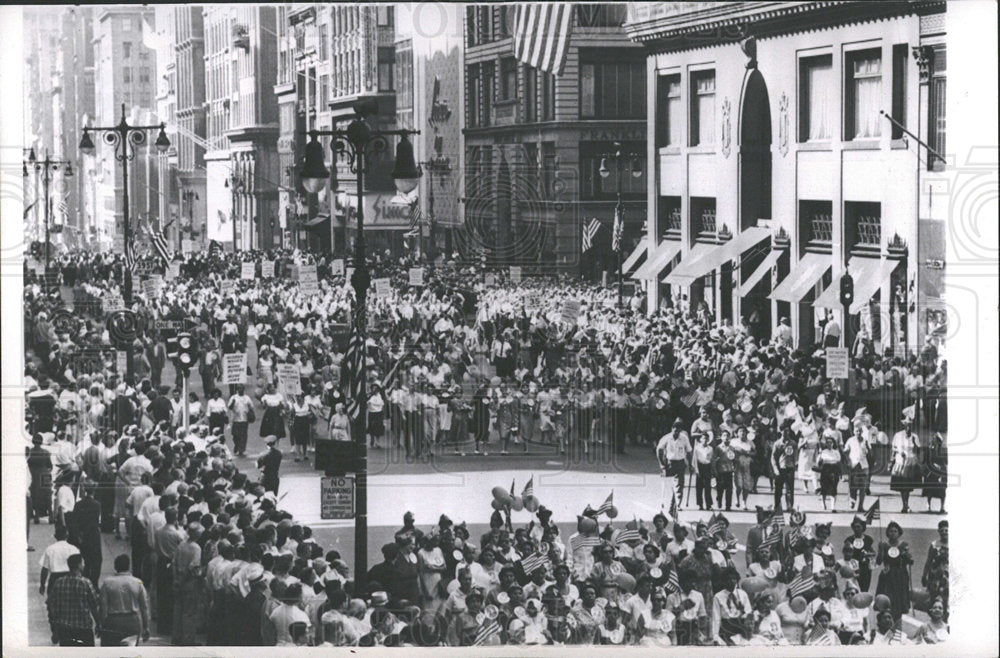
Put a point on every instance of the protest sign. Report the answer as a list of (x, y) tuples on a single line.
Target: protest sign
[(227, 287), (515, 274), (416, 276), (112, 303), (267, 269), (288, 379), (248, 271), (337, 267), (151, 287), (490, 280), (308, 283), (173, 271), (837, 363), (382, 287), (234, 368), (570, 312)]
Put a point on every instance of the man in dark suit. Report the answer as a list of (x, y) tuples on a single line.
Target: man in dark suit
[(85, 532), (269, 463)]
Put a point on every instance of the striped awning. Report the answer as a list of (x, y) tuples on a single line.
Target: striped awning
[(636, 254), (762, 270), (705, 258), (804, 275), (868, 275), (658, 259)]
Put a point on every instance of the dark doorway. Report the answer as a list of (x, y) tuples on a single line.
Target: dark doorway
[(755, 188)]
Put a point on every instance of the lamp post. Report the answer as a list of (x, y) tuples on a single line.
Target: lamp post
[(436, 165), (359, 142), (46, 167), (620, 160), (120, 137)]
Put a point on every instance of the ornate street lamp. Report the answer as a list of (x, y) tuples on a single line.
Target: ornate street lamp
[(46, 167), (620, 160)]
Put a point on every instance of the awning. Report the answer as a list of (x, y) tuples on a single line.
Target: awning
[(868, 275), (762, 270), (802, 278), (634, 257), (691, 264), (658, 260), (319, 219), (704, 258)]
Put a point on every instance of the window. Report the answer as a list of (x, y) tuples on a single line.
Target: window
[(531, 165), (548, 96), (470, 25), (816, 221), (600, 15), (506, 21), (863, 225), (530, 93), (899, 55), (548, 168), (508, 79), (489, 85), (324, 91), (472, 179), (404, 76), (668, 110), (936, 107), (144, 77), (126, 50), (484, 29), (669, 216), (323, 36), (127, 25), (703, 222), (611, 86), (473, 110), (126, 75), (815, 97), (386, 61), (594, 186), (384, 16), (863, 95), (702, 108)]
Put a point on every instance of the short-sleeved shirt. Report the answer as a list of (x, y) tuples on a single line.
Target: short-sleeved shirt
[(56, 555)]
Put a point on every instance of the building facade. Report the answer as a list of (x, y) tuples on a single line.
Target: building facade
[(124, 71), (534, 142), (242, 124), (777, 168), (189, 132), (168, 206)]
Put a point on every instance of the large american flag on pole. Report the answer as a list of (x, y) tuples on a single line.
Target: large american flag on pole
[(354, 370), (541, 35), (130, 258), (160, 244), (589, 231), (616, 236)]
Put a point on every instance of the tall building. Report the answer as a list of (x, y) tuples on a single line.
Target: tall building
[(291, 121), (242, 124), (776, 169), (534, 142), (164, 38), (124, 69), (189, 131)]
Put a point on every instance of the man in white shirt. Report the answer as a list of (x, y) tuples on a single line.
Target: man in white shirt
[(54, 560), (857, 448), (673, 452)]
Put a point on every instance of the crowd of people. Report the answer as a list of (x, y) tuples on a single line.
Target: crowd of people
[(545, 360)]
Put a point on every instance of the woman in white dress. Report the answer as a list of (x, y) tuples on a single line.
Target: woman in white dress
[(656, 625), (808, 450)]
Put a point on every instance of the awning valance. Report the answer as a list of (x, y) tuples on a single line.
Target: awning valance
[(762, 270), (705, 258), (802, 278), (317, 220), (636, 254), (657, 260), (868, 275)]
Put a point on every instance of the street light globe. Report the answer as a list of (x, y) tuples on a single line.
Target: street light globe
[(604, 171), (405, 173), (636, 168), (162, 143), (313, 185), (86, 144), (69, 171), (314, 173)]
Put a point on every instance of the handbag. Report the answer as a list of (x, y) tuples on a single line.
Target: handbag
[(251, 416)]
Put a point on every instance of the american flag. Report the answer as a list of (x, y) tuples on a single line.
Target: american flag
[(541, 35), (672, 584), (578, 541), (532, 562), (489, 628), (801, 584), (771, 538), (715, 526), (777, 519), (820, 637), (897, 636), (589, 231), (130, 259), (607, 504), (874, 512), (529, 489), (354, 371), (160, 244), (414, 219), (616, 236), (626, 536)]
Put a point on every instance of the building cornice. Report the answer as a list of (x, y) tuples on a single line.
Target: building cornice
[(709, 24)]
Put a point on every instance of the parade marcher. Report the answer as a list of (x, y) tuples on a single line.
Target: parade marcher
[(894, 580), (74, 609), (269, 463), (673, 452), (124, 606)]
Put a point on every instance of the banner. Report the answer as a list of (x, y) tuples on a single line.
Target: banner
[(152, 286), (382, 287), (267, 269), (173, 271), (234, 368), (515, 274), (416, 276), (112, 303), (248, 271), (227, 287), (308, 283), (837, 363), (121, 361), (337, 267), (289, 382)]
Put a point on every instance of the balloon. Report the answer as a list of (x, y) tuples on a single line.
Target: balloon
[(631, 525), (613, 512), (517, 504), (846, 571), (625, 581), (499, 492), (531, 504), (507, 500), (862, 599), (882, 602), (585, 524), (920, 598), (753, 585), (798, 605), (497, 504)]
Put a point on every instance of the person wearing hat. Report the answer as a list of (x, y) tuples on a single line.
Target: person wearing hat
[(672, 452), (821, 634), (858, 551), (905, 462), (269, 463), (894, 580)]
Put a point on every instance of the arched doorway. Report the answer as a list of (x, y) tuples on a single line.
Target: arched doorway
[(755, 192)]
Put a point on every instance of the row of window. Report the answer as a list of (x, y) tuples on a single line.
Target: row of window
[(864, 75), (538, 102)]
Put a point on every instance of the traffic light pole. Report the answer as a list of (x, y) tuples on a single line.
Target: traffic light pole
[(187, 402)]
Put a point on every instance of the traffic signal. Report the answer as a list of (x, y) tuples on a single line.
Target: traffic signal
[(846, 289), (182, 350)]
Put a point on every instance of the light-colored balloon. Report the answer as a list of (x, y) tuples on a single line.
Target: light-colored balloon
[(882, 602), (499, 492), (517, 504), (626, 582), (531, 504), (862, 599), (613, 512), (753, 585), (798, 605)]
